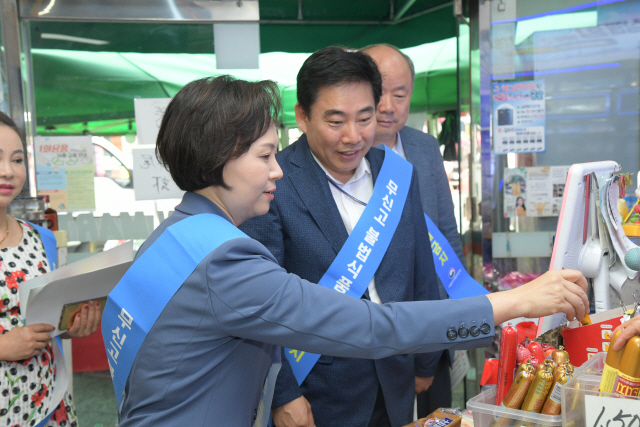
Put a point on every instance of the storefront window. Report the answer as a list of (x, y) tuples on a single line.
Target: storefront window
[(583, 59)]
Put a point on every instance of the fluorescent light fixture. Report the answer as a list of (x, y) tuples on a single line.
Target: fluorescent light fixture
[(556, 12), (555, 22), (48, 8), (64, 37), (558, 71)]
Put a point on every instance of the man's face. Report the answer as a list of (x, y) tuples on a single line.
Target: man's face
[(340, 127), (397, 87)]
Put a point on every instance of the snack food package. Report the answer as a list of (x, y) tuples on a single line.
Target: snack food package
[(584, 342), (443, 417)]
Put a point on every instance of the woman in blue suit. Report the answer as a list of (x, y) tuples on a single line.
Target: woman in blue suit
[(203, 358)]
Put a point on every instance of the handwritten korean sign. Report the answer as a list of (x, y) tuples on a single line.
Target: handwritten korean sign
[(149, 112), (611, 412), (151, 180)]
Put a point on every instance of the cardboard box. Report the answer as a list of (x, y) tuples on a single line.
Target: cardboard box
[(584, 342)]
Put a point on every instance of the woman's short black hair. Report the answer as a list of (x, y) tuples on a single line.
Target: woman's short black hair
[(335, 66), (211, 121), (8, 122)]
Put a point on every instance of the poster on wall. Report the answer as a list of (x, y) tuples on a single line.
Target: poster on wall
[(152, 181), (534, 191), (65, 167), (518, 117), (149, 112)]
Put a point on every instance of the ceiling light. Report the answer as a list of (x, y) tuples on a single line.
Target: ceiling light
[(52, 36)]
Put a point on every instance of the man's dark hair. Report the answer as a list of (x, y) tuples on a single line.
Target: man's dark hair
[(333, 66), (210, 122), (8, 122)]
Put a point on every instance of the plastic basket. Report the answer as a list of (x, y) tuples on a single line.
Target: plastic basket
[(486, 413), (586, 381)]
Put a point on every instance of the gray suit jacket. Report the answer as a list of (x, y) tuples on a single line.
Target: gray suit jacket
[(204, 361), (423, 151)]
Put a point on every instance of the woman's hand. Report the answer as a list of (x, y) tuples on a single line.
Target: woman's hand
[(86, 322), (630, 328), (561, 291), (24, 342)]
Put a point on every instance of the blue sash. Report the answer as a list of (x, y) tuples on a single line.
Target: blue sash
[(358, 260), (51, 249), (133, 306), (454, 277), (49, 243)]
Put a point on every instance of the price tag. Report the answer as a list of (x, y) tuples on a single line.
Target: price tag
[(611, 412)]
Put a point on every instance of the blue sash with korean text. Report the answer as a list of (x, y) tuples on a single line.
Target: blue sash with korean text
[(457, 282), (134, 305), (51, 249), (358, 260)]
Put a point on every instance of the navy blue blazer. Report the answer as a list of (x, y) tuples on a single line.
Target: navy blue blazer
[(204, 361), (304, 232)]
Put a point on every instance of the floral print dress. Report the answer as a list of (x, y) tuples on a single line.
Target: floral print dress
[(26, 385)]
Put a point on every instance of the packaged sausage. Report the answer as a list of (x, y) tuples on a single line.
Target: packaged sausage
[(628, 379), (519, 388), (538, 391), (536, 350), (507, 361), (552, 404), (560, 355), (611, 364)]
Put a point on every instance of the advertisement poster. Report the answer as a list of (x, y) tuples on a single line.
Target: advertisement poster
[(153, 181), (65, 167), (534, 191), (518, 117), (515, 192)]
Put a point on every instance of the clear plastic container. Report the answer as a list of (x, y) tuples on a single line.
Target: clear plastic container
[(487, 414), (586, 381)]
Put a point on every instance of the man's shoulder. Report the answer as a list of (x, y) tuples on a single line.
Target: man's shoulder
[(409, 134)]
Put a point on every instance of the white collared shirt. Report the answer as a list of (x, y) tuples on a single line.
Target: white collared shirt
[(399, 149), (360, 186)]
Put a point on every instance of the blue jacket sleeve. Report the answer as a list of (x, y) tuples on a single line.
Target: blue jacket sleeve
[(254, 298), (267, 229)]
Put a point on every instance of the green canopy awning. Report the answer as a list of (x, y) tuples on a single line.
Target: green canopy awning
[(79, 91)]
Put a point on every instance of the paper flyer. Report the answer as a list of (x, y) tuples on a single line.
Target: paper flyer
[(518, 117), (65, 167), (42, 298), (534, 191)]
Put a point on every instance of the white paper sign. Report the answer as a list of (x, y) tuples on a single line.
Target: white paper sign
[(149, 112), (459, 368), (152, 181), (610, 412)]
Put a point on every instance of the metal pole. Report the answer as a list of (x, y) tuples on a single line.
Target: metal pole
[(12, 64)]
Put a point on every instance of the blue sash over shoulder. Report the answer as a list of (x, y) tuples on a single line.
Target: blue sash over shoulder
[(134, 305), (51, 249), (360, 256)]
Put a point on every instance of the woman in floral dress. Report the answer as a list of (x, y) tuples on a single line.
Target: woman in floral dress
[(28, 366)]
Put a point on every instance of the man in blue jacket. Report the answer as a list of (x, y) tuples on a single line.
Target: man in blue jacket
[(330, 175), (422, 151)]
